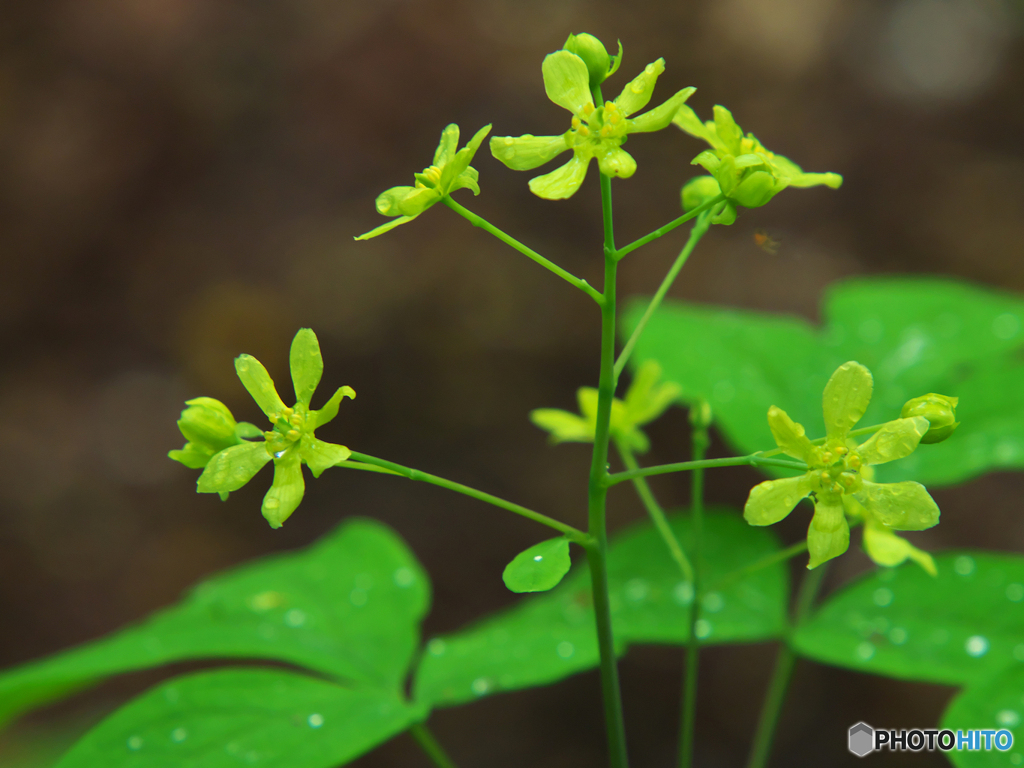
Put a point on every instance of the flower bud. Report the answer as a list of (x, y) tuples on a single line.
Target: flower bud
[(700, 414), (940, 411), (594, 55), (208, 422), (698, 191)]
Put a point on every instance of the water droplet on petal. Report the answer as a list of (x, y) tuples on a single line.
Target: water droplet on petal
[(295, 618), (436, 647), (712, 602), (481, 686), (1016, 758), (135, 743), (404, 577), (898, 636), (964, 565), (1008, 718), (565, 649), (683, 593), (179, 735), (272, 503), (637, 86), (538, 558), (702, 628), (865, 650), (636, 590), (315, 720), (976, 646), (882, 596)]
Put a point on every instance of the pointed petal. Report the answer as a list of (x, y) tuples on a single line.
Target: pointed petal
[(894, 440), (286, 493), (192, 456), (562, 182), (320, 456), (828, 535), (707, 160), (790, 436), (528, 151), (686, 119), (905, 506), (384, 228), (417, 201), (245, 430), (567, 81), (846, 397), (257, 381), (637, 93), (463, 158), (564, 427), (233, 467), (729, 133), (330, 409), (468, 179), (615, 161), (306, 363), (389, 202), (446, 147), (772, 500), (887, 549), (660, 117), (587, 398)]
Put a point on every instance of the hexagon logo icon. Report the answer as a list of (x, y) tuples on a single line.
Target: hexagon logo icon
[(862, 739)]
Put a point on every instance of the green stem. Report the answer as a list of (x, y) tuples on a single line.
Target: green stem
[(698, 231), (689, 713), (657, 515), (573, 534), (776, 557), (761, 749), (430, 746), (669, 227), (477, 221), (753, 460)]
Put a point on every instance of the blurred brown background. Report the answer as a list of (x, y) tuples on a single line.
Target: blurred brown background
[(180, 181)]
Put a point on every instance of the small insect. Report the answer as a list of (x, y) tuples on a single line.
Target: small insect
[(766, 242)]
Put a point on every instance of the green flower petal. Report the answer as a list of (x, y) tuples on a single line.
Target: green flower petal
[(645, 399), (729, 133), (707, 160), (833, 180), (567, 81), (419, 200), (562, 182), (698, 191), (330, 409), (587, 398), (462, 159), (564, 427), (772, 500), (638, 92), (726, 214), (385, 228), (615, 161), (756, 189), (828, 535), (686, 119), (233, 467), (306, 363), (887, 549), (845, 399), (790, 436), (257, 381), (468, 179), (446, 147), (246, 430), (661, 116), (527, 152), (893, 441), (389, 202), (905, 506), (286, 493), (320, 456), (193, 456), (632, 438)]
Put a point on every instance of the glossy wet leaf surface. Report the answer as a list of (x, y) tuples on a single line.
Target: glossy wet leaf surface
[(538, 568), (915, 335), (994, 704), (964, 625), (243, 717), (548, 637), (349, 607)]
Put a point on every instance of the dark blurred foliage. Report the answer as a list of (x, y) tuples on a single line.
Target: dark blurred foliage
[(180, 181)]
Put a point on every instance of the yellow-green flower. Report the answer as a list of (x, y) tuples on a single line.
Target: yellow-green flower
[(209, 427), (746, 173), (450, 171), (838, 478), (289, 442), (596, 132), (645, 401)]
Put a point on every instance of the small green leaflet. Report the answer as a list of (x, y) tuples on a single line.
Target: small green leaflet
[(349, 607), (549, 637), (962, 626), (232, 717), (538, 568), (915, 335), (994, 704)]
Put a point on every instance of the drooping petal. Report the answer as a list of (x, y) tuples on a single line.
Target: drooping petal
[(564, 427), (833, 180), (320, 456), (446, 147), (306, 363), (562, 182), (772, 500), (905, 506), (894, 440), (707, 160), (887, 549), (845, 398), (286, 493), (417, 201), (385, 228), (790, 436), (661, 116), (462, 158), (389, 202), (567, 81), (233, 467), (257, 382), (468, 179), (698, 191), (638, 92), (615, 161), (330, 409), (192, 456), (524, 153), (828, 535)]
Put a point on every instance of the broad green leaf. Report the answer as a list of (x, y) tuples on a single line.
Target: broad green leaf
[(995, 704), (915, 335), (549, 637), (963, 625), (538, 568), (231, 717), (348, 607)]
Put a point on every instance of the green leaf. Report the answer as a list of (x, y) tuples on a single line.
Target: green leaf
[(961, 626), (993, 704), (914, 335), (347, 607), (538, 568), (549, 637), (306, 363), (233, 717)]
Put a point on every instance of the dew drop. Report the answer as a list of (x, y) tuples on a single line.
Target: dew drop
[(964, 565), (404, 577), (1015, 592), (135, 743), (481, 686), (538, 558), (636, 590), (565, 649), (179, 735), (865, 650), (897, 636), (273, 502), (712, 602), (882, 597), (436, 647), (1016, 758), (1008, 717), (509, 141), (976, 646), (683, 593), (242, 365), (637, 86), (295, 618), (315, 720), (702, 628), (357, 597)]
